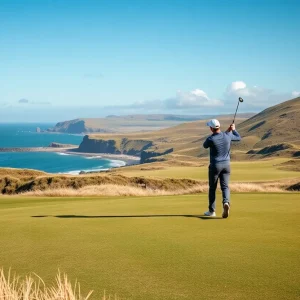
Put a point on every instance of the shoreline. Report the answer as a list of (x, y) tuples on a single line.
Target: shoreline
[(128, 159)]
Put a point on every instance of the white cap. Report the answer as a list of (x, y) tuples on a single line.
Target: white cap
[(213, 124)]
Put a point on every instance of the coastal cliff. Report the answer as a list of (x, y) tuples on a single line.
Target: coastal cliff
[(114, 146), (77, 126), (136, 147)]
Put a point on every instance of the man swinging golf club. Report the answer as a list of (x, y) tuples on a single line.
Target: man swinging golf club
[(219, 143)]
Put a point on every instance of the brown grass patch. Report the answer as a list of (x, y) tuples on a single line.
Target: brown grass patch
[(9, 185), (124, 190), (114, 184)]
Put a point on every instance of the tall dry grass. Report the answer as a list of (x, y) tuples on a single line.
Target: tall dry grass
[(126, 190), (32, 287)]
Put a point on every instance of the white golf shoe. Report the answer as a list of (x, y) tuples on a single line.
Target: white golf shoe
[(226, 208), (210, 214)]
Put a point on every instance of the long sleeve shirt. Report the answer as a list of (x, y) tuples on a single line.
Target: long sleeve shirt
[(219, 144)]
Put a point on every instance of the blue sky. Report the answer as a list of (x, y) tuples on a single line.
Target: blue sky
[(66, 59)]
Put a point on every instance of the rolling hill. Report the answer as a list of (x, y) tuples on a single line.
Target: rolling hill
[(274, 131), (184, 139)]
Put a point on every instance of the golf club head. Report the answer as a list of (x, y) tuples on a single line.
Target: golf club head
[(241, 99)]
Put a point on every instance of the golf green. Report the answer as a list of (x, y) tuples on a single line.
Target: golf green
[(158, 247)]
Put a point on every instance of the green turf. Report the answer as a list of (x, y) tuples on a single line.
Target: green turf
[(162, 249), (259, 170)]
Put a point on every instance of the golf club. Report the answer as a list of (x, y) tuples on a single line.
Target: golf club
[(240, 100)]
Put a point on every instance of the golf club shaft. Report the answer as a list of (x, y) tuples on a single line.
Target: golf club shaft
[(236, 112)]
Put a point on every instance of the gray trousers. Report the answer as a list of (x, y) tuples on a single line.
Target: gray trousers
[(215, 172)]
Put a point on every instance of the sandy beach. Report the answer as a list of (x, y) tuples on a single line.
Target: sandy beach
[(129, 159)]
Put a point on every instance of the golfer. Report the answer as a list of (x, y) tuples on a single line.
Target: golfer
[(219, 143)]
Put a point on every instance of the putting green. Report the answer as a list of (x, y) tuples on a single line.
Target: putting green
[(259, 170), (158, 247)]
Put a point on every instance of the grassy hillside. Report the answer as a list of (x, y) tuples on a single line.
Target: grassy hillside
[(157, 247), (183, 139), (275, 125)]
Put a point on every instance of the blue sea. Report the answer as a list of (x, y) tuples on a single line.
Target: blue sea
[(25, 135)]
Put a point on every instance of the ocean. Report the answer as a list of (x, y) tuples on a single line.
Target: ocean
[(25, 135)]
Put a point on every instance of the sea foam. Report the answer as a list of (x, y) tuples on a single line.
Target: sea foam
[(117, 163)]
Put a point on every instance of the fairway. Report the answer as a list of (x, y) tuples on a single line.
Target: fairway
[(261, 170), (158, 247)]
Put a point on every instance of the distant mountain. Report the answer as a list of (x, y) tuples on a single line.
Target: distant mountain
[(129, 123)]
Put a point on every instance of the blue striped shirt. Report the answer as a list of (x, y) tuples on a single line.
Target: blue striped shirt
[(219, 144)]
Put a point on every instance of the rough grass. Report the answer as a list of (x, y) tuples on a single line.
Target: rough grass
[(154, 179), (119, 190), (12, 185), (32, 287), (158, 247)]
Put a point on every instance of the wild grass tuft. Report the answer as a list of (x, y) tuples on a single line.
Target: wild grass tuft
[(32, 287)]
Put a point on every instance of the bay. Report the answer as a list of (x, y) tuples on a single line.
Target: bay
[(25, 135)]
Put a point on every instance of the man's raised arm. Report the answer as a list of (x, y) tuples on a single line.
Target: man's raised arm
[(233, 133)]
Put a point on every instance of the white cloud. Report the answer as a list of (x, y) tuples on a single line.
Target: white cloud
[(236, 85), (255, 96), (193, 99), (295, 94), (196, 98)]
